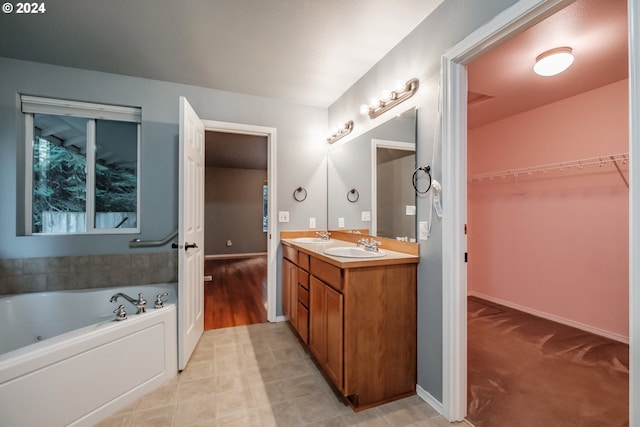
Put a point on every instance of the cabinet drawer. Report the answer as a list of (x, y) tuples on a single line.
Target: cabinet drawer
[(303, 323), (303, 278), (328, 273), (303, 296), (290, 253), (303, 261)]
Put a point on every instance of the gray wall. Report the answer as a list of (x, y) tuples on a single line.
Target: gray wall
[(233, 211), (297, 126), (301, 152), (419, 55)]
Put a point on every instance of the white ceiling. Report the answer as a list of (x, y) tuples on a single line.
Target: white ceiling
[(301, 51)]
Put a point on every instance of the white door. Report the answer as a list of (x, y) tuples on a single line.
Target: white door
[(190, 233)]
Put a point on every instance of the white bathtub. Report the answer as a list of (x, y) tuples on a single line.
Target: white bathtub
[(85, 366)]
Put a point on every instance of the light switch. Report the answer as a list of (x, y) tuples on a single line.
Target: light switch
[(312, 223), (410, 210), (366, 216), (283, 216), (340, 222)]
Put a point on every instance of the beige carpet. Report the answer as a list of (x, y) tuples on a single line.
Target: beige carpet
[(526, 371)]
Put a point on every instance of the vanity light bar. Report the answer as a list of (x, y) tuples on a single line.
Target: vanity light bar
[(390, 99), (340, 133)]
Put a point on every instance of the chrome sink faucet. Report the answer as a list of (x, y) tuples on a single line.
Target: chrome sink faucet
[(324, 235), (140, 303), (369, 245)]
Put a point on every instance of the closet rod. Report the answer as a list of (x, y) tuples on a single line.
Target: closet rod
[(562, 166)]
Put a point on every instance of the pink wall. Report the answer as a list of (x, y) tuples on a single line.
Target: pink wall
[(555, 243)]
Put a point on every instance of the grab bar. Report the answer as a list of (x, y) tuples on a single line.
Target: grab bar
[(137, 243)]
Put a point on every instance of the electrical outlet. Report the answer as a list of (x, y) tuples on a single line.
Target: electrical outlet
[(283, 216), (365, 216), (340, 222), (312, 223), (410, 210), (423, 230)]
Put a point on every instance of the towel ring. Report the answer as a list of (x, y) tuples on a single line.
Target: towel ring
[(427, 170), (355, 196), (300, 198)]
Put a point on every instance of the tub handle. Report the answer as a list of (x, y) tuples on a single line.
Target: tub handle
[(159, 302), (120, 312)]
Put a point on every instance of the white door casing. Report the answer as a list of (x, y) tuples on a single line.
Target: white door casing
[(190, 232), (273, 241)]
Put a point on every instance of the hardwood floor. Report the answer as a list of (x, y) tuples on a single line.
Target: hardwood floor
[(237, 293)]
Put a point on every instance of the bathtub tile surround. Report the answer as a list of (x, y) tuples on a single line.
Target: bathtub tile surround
[(260, 375), (21, 275)]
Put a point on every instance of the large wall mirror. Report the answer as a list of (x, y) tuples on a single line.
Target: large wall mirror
[(370, 180)]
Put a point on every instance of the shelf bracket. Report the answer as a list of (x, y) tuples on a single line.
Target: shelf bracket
[(615, 162)]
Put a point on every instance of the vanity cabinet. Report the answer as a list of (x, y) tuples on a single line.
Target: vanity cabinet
[(358, 320)]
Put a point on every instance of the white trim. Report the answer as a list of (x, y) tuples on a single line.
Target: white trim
[(553, 317), (432, 401), (454, 178), (375, 144), (273, 241), (28, 175), (634, 212), (90, 179)]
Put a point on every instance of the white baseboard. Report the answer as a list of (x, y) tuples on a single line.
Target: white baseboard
[(553, 317), (432, 401), (281, 319), (229, 256)]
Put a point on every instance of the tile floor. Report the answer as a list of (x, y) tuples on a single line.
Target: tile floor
[(259, 375)]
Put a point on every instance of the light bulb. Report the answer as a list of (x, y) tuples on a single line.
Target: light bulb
[(400, 86), (374, 102), (364, 109), (385, 96)]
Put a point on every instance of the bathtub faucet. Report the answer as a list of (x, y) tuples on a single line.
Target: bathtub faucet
[(140, 303)]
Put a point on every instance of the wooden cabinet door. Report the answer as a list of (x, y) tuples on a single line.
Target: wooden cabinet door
[(288, 282), (334, 335), (317, 318)]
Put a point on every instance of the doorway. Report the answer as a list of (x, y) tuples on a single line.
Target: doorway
[(510, 22), (245, 260), (236, 229)]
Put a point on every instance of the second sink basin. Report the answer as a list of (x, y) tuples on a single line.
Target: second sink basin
[(351, 252)]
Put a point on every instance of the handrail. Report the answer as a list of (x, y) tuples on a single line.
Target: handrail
[(137, 243)]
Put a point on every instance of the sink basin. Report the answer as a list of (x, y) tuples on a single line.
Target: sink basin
[(309, 240), (351, 252)]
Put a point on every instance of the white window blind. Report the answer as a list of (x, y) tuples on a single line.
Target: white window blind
[(34, 104)]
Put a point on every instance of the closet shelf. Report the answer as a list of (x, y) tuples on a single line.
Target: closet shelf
[(562, 166)]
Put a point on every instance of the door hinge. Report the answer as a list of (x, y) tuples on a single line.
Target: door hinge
[(465, 229), (466, 257)]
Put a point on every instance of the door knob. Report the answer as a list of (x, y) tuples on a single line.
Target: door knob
[(188, 246)]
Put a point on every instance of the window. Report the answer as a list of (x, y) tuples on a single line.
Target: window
[(265, 208), (81, 167)]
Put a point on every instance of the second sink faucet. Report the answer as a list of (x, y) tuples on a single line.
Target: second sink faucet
[(140, 303), (324, 235), (369, 245)]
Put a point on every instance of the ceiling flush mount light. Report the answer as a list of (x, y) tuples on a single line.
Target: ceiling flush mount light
[(340, 132), (553, 61), (390, 99)]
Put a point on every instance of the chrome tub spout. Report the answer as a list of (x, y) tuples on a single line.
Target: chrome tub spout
[(139, 304)]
